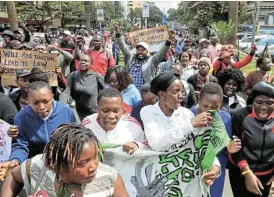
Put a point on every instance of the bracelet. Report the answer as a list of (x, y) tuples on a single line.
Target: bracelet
[(246, 172), (136, 144)]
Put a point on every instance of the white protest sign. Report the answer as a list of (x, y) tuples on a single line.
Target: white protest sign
[(5, 141)]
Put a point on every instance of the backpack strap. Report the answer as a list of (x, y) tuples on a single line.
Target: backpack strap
[(41, 175)]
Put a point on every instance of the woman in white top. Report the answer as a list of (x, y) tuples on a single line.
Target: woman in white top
[(69, 167), (170, 127)]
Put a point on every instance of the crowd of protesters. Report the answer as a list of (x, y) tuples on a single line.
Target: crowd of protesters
[(152, 101)]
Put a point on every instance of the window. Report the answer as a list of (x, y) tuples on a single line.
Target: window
[(3, 7)]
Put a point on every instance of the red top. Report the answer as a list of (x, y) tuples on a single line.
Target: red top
[(101, 61), (237, 65)]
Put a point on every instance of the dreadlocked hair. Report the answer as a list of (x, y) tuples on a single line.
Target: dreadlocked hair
[(231, 73), (65, 147), (38, 79)]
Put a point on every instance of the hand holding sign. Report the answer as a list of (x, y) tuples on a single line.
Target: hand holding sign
[(58, 70), (13, 131), (171, 35), (130, 147), (210, 176)]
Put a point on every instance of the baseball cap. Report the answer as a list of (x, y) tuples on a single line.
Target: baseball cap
[(67, 32), (19, 30), (203, 40), (22, 73), (7, 32), (143, 44)]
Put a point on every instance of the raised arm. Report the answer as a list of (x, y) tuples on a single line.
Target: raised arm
[(157, 57), (121, 41)]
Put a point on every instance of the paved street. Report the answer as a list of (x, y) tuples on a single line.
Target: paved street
[(227, 188)]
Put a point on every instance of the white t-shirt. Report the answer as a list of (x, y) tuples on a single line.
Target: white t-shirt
[(127, 130)]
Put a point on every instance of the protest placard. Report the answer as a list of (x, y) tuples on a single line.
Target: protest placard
[(5, 141), (150, 35), (13, 60)]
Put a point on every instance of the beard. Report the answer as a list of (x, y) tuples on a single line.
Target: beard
[(141, 56)]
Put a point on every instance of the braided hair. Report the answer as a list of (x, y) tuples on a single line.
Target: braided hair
[(231, 73), (65, 147), (38, 79)]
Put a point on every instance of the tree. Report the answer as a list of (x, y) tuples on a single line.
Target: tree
[(155, 15), (223, 30), (199, 15), (233, 16), (72, 12), (87, 15), (41, 12), (12, 15)]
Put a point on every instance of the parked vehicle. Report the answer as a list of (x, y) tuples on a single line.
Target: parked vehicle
[(246, 42), (243, 35)]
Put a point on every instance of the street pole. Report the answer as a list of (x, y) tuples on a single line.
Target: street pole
[(146, 22), (233, 16), (255, 19), (87, 15)]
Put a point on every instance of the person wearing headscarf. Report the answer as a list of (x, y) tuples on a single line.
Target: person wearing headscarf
[(203, 44), (254, 125), (170, 127), (202, 77)]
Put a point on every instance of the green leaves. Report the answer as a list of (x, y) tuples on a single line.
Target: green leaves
[(223, 30)]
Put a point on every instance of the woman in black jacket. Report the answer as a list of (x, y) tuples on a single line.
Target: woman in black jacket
[(255, 126)]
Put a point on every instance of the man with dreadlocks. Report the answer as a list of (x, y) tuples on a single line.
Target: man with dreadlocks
[(35, 123), (69, 167)]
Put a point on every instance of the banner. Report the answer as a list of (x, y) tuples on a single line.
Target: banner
[(177, 172), (151, 35), (5, 141), (13, 60)]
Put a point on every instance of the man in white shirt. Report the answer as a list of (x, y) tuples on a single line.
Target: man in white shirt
[(111, 126)]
